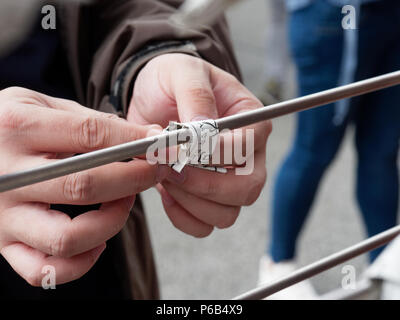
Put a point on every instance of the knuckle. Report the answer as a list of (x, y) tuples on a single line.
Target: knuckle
[(78, 187), (257, 185), (92, 134), (110, 116), (177, 225), (201, 94), (33, 277), (210, 188), (63, 245), (23, 96), (12, 119), (229, 219), (203, 232), (16, 91)]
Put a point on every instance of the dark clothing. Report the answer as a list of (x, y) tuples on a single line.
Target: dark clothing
[(39, 64), (86, 59)]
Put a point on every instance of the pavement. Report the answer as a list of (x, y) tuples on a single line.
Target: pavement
[(225, 264)]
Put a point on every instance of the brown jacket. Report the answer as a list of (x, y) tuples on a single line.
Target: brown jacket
[(107, 42)]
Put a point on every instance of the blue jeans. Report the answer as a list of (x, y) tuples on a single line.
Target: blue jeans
[(316, 40)]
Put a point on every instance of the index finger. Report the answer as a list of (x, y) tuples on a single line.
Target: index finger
[(72, 131), (192, 88)]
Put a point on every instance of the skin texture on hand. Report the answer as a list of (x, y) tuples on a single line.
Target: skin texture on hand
[(36, 129), (178, 87)]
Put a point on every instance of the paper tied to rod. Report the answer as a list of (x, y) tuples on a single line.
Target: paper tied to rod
[(198, 151)]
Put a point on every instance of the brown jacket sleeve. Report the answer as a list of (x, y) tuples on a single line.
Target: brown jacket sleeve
[(119, 29)]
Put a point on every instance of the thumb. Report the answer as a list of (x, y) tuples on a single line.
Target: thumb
[(193, 92)]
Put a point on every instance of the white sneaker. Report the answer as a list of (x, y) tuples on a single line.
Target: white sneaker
[(270, 271)]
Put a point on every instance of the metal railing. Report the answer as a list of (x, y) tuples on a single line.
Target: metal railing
[(322, 265)]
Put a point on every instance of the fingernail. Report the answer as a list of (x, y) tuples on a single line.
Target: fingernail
[(154, 130), (177, 177), (162, 172), (167, 199), (200, 118)]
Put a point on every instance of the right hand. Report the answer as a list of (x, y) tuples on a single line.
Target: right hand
[(36, 129)]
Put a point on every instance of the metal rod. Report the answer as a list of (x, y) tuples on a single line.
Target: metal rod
[(322, 265), (89, 160), (136, 148), (310, 101)]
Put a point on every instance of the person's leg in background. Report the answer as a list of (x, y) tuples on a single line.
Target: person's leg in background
[(377, 141), (317, 50), (316, 39), (378, 121)]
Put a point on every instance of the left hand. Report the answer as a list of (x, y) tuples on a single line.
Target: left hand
[(179, 87)]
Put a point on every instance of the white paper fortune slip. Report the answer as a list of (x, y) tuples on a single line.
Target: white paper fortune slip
[(198, 151)]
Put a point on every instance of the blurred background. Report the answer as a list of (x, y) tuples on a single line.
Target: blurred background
[(225, 264)]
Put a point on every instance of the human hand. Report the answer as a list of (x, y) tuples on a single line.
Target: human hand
[(179, 87), (35, 130)]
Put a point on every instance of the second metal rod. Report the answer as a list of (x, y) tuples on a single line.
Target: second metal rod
[(322, 265)]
